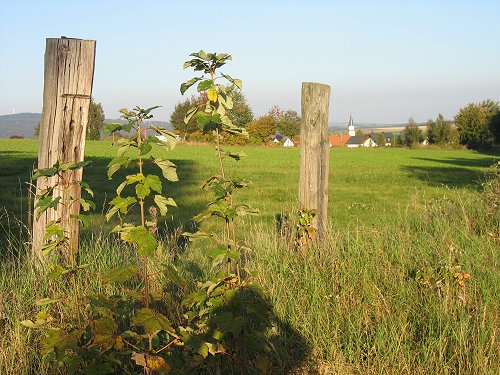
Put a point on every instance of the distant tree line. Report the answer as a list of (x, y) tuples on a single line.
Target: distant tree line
[(259, 129), (477, 125)]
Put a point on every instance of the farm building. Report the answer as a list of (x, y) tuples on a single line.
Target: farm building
[(283, 139)]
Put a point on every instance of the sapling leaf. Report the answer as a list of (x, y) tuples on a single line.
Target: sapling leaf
[(143, 238), (186, 85), (112, 127), (153, 182), (119, 274), (205, 85), (163, 202), (168, 169), (195, 343), (145, 148), (151, 321)]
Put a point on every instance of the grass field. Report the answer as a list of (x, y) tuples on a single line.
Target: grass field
[(353, 306)]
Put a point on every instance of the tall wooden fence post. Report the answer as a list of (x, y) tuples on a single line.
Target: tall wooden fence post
[(68, 76), (315, 153)]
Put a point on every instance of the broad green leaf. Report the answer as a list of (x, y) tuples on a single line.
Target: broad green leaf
[(133, 178), (153, 182), (142, 191), (86, 204), (186, 85), (116, 163), (205, 85), (112, 127), (168, 169), (119, 274), (163, 202), (203, 118), (190, 113), (56, 271), (144, 148), (104, 331), (195, 343), (45, 203), (151, 321), (87, 188), (79, 165), (218, 252), (143, 238)]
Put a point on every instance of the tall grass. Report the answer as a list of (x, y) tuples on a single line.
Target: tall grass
[(350, 306)]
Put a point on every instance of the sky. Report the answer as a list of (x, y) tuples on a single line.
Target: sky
[(384, 60)]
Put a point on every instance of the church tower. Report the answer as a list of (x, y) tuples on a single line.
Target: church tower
[(350, 127)]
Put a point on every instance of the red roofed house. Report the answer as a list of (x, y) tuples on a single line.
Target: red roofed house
[(338, 140)]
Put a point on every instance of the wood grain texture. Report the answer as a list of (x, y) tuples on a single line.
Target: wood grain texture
[(315, 153), (68, 77)]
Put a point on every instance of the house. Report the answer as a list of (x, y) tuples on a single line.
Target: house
[(387, 138), (363, 140), (283, 139), (338, 140)]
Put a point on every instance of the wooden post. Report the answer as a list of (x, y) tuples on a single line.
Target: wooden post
[(68, 76), (315, 153)]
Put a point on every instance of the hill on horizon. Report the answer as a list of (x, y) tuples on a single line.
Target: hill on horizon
[(24, 124)]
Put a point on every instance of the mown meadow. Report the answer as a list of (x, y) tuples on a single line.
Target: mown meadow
[(407, 281)]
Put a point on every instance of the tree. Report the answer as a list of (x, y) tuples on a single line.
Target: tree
[(358, 132), (289, 124), (411, 134), (380, 139), (241, 114), (494, 126), (96, 121), (474, 123), (260, 129), (432, 132), (180, 111)]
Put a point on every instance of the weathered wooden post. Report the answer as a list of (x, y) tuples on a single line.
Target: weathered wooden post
[(315, 153), (68, 76)]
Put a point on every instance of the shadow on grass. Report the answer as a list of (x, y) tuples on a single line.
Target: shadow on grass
[(459, 172), (15, 172), (452, 177)]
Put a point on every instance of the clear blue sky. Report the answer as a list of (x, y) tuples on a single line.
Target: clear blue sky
[(385, 60)]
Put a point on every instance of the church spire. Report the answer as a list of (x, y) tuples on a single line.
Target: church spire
[(350, 127)]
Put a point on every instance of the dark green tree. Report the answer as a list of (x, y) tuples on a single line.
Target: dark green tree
[(411, 135), (96, 121), (289, 124), (473, 123), (241, 114), (494, 126), (432, 132), (180, 111), (380, 139)]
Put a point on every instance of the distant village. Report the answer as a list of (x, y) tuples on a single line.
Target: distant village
[(350, 140)]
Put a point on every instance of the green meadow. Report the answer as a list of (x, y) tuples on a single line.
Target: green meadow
[(380, 296)]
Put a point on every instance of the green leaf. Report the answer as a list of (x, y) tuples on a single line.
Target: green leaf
[(218, 252), (190, 113), (119, 204), (86, 204), (112, 127), (119, 274), (168, 169), (87, 188), (236, 82), (143, 238), (116, 163), (151, 321), (45, 203), (153, 182), (163, 202), (56, 271), (186, 85), (46, 172), (144, 148), (205, 85), (142, 191), (195, 343)]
